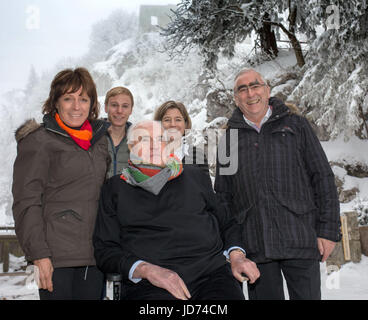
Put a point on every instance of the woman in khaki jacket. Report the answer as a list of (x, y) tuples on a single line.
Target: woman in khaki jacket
[(58, 172)]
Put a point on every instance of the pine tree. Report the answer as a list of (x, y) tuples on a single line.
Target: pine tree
[(33, 80), (117, 27), (333, 93), (211, 25), (217, 25)]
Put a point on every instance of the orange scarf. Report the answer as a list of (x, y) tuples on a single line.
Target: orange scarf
[(81, 137)]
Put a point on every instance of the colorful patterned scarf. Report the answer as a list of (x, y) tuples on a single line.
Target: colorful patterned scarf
[(150, 177), (82, 137)]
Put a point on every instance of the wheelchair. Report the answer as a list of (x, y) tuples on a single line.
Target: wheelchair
[(117, 285)]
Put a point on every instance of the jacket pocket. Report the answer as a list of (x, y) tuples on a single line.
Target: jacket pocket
[(297, 221), (284, 135), (297, 206), (64, 232), (282, 148)]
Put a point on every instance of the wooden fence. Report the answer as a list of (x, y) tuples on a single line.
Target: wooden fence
[(8, 244)]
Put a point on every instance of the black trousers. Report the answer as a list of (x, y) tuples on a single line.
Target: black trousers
[(77, 283), (219, 285), (302, 277)]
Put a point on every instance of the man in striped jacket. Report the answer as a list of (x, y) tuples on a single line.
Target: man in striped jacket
[(283, 191)]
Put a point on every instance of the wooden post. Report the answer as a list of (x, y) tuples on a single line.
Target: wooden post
[(354, 236), (345, 237), (6, 256), (349, 248)]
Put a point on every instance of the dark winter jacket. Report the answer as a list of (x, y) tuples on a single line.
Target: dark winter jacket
[(56, 187), (182, 228), (197, 157), (119, 155), (283, 192)]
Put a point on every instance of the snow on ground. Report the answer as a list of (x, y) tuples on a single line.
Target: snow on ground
[(15, 288), (349, 283), (166, 82), (272, 69), (353, 152)]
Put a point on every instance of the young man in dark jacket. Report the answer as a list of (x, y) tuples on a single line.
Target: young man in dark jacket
[(283, 192), (160, 226)]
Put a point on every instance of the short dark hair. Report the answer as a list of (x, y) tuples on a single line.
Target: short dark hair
[(70, 81)]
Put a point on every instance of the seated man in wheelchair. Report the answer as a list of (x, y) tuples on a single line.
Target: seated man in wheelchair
[(161, 226)]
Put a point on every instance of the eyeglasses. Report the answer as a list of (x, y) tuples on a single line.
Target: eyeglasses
[(245, 89), (148, 139)]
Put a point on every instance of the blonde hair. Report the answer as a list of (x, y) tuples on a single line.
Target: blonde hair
[(161, 110), (116, 91)]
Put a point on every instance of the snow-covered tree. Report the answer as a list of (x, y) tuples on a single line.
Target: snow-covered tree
[(333, 92), (33, 80), (361, 208), (117, 27), (215, 25), (209, 24)]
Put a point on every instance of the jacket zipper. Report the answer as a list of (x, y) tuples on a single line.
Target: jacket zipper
[(89, 152), (58, 132)]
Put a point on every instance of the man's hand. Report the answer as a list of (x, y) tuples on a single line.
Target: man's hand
[(325, 247), (240, 264), (163, 278), (45, 271)]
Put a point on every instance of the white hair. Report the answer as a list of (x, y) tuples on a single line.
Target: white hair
[(142, 124), (246, 70)]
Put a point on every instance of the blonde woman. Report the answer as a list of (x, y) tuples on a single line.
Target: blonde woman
[(175, 118)]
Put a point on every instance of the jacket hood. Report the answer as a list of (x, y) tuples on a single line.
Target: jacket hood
[(26, 128), (279, 108)]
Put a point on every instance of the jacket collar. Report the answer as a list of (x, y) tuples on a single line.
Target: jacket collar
[(99, 127), (279, 110), (127, 126)]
